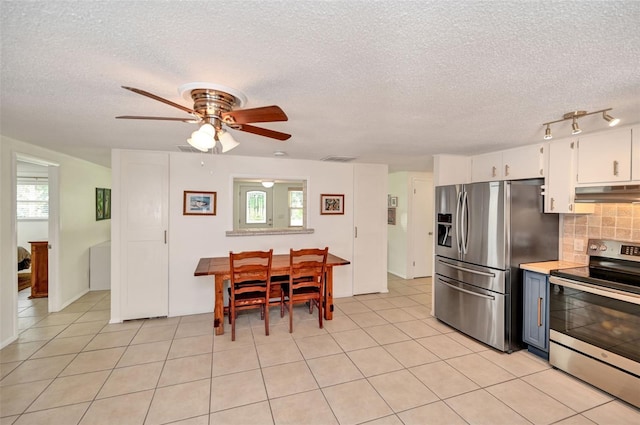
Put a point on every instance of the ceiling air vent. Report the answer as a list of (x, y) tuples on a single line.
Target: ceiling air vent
[(188, 148), (338, 158)]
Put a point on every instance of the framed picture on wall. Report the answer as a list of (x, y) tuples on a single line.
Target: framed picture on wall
[(391, 216), (199, 203), (393, 201), (107, 203), (99, 203), (331, 204)]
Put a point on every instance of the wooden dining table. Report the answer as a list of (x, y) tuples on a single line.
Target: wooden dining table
[(219, 267)]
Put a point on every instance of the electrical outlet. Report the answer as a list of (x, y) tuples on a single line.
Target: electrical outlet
[(578, 245)]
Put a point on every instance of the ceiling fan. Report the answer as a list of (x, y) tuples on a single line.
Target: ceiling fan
[(214, 107)]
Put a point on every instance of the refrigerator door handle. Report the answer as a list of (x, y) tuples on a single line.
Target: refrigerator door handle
[(464, 269), (457, 220), (456, 288), (465, 223)]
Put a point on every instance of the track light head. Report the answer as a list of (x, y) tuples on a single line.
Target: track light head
[(608, 118), (575, 129), (547, 133)]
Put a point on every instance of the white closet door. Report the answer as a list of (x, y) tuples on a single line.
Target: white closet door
[(370, 220), (144, 230)]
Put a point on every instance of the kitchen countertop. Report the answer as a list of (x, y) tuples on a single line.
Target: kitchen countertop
[(545, 267)]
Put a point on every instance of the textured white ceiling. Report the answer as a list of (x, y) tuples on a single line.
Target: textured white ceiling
[(388, 81)]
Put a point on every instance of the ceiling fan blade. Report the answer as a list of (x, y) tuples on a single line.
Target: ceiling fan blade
[(135, 117), (160, 99), (263, 114), (262, 131)]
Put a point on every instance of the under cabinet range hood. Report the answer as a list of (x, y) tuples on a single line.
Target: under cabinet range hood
[(609, 194)]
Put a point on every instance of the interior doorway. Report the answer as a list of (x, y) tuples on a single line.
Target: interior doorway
[(35, 219)]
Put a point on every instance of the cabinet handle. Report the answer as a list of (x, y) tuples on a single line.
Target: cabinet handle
[(539, 312), (615, 168), (493, 171), (553, 201), (165, 237), (506, 170)]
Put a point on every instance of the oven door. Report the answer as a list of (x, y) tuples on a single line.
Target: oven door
[(595, 335)]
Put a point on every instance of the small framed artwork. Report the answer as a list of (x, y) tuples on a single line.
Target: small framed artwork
[(391, 216), (99, 203), (331, 204), (199, 203), (393, 201), (107, 204)]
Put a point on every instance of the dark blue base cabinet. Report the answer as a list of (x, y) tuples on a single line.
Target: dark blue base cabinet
[(535, 330)]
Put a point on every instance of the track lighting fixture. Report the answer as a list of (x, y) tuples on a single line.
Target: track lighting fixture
[(608, 118), (575, 128), (547, 133)]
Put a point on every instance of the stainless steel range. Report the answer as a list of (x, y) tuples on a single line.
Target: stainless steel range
[(595, 319)]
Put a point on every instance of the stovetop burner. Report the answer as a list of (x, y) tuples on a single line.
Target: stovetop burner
[(612, 264)]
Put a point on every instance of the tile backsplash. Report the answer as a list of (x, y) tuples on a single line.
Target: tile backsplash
[(609, 221)]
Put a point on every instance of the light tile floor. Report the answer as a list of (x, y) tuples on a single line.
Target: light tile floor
[(382, 360)]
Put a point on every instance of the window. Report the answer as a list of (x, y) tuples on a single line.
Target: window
[(296, 207), (33, 200), (256, 207)]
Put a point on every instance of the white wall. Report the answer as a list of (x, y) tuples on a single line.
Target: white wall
[(32, 230), (78, 228), (193, 237)]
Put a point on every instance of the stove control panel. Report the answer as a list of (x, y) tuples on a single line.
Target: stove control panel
[(613, 249), (630, 250)]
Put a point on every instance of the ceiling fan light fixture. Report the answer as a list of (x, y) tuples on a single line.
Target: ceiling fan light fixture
[(268, 184), (608, 118), (227, 141), (201, 140)]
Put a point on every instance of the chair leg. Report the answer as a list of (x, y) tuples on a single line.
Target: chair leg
[(232, 315), (290, 307), (320, 312)]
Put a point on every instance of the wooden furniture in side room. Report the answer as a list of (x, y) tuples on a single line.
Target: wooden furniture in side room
[(307, 268), (250, 285), (39, 269), (219, 268)]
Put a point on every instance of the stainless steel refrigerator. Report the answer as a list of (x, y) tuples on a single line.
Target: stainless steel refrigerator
[(485, 231)]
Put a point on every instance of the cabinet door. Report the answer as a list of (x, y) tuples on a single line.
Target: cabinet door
[(560, 177), (144, 254), (370, 220), (535, 310), (605, 157), (523, 163), (486, 167)]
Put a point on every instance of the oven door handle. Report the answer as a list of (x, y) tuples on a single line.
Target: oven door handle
[(596, 290), (488, 297)]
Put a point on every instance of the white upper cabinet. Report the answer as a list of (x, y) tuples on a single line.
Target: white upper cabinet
[(526, 162), (512, 164), (451, 169), (560, 182), (486, 167), (605, 157)]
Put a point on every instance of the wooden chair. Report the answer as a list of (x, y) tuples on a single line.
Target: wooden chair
[(307, 271), (250, 285)]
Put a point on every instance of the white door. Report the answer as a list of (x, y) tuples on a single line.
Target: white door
[(370, 230), (423, 223), (144, 206), (256, 207)]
